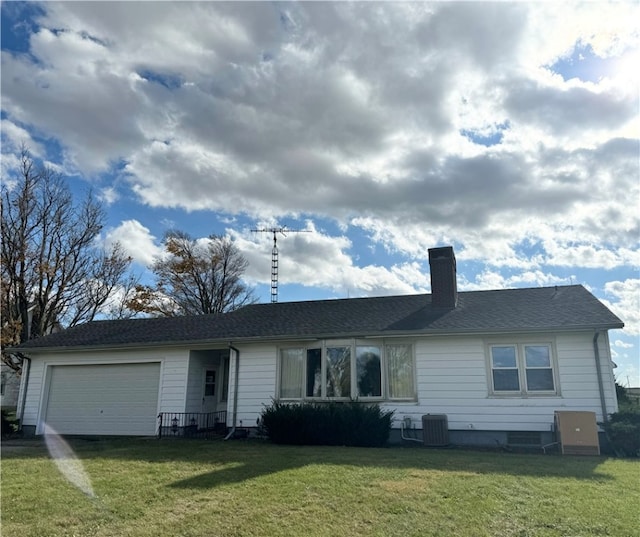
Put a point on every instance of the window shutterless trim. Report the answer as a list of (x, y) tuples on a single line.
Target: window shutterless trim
[(520, 345), (353, 344)]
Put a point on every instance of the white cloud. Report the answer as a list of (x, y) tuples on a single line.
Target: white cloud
[(316, 259), (625, 303), (491, 279), (621, 344), (236, 117), (14, 137), (624, 352), (136, 240), (108, 195), (352, 112)]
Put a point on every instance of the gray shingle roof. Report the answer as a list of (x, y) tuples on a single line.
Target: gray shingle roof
[(509, 310)]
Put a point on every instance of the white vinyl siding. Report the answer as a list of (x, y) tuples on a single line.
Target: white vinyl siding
[(451, 377), (118, 399), (173, 377), (256, 383), (194, 382), (577, 375)]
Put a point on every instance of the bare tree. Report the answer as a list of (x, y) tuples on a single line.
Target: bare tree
[(195, 277), (53, 272)]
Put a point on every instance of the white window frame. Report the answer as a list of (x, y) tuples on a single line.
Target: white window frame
[(412, 352), (520, 354), (353, 344)]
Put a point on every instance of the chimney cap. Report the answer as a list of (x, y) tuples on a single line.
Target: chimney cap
[(441, 252)]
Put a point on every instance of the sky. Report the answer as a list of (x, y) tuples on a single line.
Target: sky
[(509, 131)]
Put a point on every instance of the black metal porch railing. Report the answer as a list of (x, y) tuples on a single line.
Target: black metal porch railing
[(192, 424)]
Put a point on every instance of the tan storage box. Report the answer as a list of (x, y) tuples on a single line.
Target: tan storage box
[(577, 432)]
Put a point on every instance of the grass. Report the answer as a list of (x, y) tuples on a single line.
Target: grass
[(244, 488)]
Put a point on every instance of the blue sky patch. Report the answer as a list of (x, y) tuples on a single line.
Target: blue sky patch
[(167, 80), (18, 22), (583, 64), (487, 137)]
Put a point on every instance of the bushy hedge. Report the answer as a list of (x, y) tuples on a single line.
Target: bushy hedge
[(333, 424), (623, 431), (9, 425)]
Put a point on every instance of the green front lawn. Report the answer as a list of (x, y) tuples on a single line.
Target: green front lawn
[(246, 488)]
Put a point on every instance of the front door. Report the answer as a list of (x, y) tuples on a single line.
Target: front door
[(210, 390)]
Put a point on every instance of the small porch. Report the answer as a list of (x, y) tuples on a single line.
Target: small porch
[(207, 383), (204, 414), (192, 424)]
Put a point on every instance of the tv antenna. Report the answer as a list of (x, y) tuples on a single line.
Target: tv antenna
[(274, 253)]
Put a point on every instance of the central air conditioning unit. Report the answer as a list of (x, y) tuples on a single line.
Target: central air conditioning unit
[(435, 430), (577, 432)]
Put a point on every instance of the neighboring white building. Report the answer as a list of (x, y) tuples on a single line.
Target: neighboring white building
[(9, 387), (498, 364)]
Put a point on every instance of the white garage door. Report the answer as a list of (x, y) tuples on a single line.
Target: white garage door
[(115, 399)]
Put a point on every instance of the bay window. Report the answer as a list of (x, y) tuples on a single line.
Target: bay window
[(291, 373), (314, 373), (400, 372), (368, 371), (338, 367), (347, 370)]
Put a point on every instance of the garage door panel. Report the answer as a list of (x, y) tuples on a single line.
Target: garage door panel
[(109, 399)]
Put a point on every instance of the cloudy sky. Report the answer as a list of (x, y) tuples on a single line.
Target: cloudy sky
[(507, 130)]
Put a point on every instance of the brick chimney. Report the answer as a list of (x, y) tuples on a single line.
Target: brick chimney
[(444, 288)]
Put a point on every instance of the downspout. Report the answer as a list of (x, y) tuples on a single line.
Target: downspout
[(24, 383), (235, 392), (596, 352)]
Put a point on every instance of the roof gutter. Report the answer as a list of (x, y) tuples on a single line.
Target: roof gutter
[(596, 353), (235, 392)]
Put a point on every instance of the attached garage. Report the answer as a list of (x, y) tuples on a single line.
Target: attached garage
[(105, 399)]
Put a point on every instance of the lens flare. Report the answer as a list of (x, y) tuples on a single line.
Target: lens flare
[(67, 462)]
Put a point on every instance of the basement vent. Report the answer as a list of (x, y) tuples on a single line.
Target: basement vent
[(523, 438), (435, 430)]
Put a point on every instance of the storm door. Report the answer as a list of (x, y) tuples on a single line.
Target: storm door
[(210, 390)]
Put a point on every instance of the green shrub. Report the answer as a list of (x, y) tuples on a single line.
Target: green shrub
[(9, 424), (623, 431), (622, 394), (342, 424)]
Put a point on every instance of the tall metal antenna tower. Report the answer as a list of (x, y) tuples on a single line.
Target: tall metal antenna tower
[(274, 254)]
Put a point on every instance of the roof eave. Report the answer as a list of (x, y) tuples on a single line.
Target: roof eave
[(224, 342)]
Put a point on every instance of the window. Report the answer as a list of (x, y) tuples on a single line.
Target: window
[(291, 373), (505, 369), (314, 373), (210, 383), (368, 372), (338, 366), (400, 372), (538, 368), (347, 370), (522, 369)]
